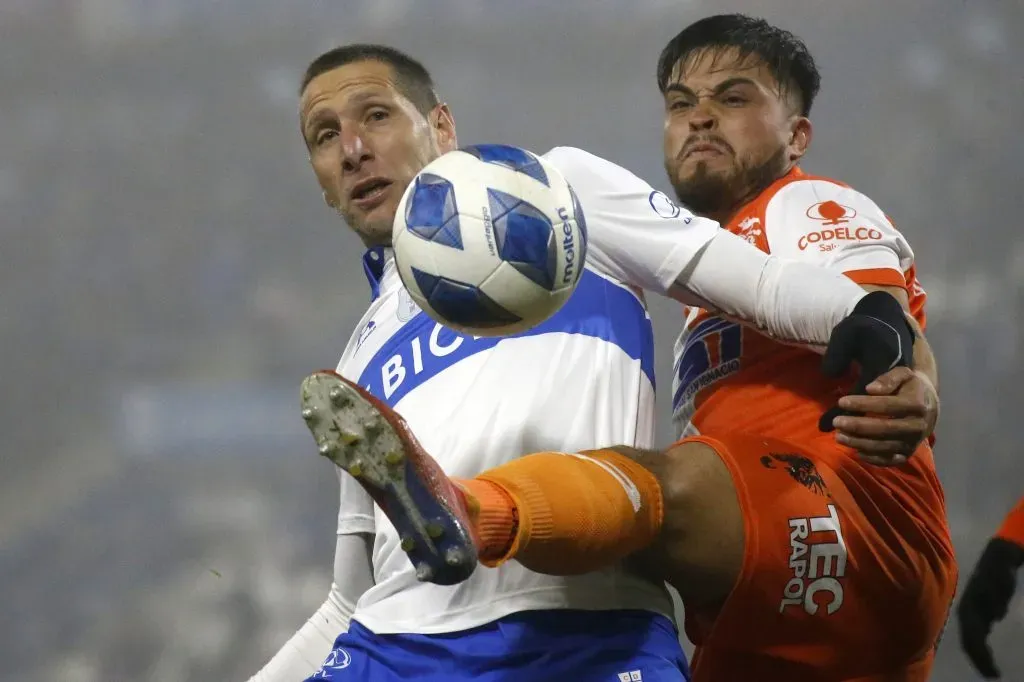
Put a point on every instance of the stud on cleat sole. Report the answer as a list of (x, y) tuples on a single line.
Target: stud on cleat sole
[(408, 544), (309, 414), (356, 469), (435, 530), (339, 398), (394, 457), (454, 556), (349, 437), (326, 449), (424, 572)]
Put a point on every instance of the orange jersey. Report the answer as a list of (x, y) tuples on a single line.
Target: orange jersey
[(731, 378)]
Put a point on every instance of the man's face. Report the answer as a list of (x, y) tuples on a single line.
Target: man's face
[(729, 132), (367, 142)]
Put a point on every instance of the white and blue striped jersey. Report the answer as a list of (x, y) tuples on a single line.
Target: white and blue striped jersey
[(583, 379)]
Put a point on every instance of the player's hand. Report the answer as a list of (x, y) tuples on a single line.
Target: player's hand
[(986, 599), (875, 336), (903, 406)]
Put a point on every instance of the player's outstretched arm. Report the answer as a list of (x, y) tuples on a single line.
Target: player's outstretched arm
[(303, 654), (638, 235)]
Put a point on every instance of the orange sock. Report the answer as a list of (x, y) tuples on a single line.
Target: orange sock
[(564, 514)]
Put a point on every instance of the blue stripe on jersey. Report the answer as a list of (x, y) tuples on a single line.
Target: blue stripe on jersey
[(421, 348)]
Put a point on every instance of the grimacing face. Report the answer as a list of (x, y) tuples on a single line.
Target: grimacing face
[(367, 141), (729, 131)]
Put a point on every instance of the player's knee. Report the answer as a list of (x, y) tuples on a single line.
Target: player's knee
[(702, 532), (693, 481)]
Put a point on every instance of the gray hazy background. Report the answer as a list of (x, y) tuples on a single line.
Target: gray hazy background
[(169, 274)]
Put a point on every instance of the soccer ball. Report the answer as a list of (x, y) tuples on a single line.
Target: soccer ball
[(489, 240)]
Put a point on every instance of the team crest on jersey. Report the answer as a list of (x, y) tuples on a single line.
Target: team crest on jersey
[(407, 308)]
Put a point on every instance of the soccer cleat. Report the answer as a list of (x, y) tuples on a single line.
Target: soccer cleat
[(372, 442)]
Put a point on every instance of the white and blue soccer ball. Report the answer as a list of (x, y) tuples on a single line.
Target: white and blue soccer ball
[(490, 240)]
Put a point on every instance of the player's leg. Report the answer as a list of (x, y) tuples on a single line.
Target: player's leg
[(581, 512), (553, 512), (838, 580)]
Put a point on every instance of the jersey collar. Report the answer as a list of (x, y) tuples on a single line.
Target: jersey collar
[(374, 264)]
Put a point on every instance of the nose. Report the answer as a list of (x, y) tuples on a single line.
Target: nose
[(703, 117), (355, 150)]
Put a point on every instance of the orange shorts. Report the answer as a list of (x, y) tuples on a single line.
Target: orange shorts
[(840, 581)]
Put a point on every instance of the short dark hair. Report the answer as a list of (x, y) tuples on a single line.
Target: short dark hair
[(785, 55), (412, 78)]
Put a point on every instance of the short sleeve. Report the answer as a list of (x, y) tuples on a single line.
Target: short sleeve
[(834, 226), (635, 233)]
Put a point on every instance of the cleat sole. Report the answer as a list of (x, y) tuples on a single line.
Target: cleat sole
[(354, 434)]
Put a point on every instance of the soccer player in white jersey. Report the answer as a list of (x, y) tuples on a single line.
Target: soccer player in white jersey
[(371, 121)]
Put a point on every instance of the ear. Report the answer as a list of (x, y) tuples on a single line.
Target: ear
[(801, 132), (329, 201), (442, 124)]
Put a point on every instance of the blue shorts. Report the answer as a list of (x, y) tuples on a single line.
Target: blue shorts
[(533, 646)]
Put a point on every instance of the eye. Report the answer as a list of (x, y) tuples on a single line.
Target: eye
[(378, 114), (679, 105), (324, 136), (734, 100)]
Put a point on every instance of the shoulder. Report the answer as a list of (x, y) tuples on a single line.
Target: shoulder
[(577, 164), (811, 210), (819, 199), (598, 181)]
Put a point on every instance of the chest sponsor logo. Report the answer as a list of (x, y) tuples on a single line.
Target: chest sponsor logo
[(829, 239), (831, 212), (420, 348)]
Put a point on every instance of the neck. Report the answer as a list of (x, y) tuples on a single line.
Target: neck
[(726, 214)]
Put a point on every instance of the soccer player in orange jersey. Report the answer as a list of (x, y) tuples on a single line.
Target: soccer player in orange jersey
[(989, 590), (800, 554)]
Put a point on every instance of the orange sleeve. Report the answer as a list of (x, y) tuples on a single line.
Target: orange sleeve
[(1013, 527), (879, 277)]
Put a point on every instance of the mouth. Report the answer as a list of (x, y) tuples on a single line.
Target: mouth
[(704, 149), (368, 193)]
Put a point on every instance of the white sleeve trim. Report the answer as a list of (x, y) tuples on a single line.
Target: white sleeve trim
[(355, 524)]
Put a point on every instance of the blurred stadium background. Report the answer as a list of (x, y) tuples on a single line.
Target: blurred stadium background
[(170, 274)]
